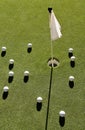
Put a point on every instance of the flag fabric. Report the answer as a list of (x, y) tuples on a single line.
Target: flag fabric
[(55, 28)]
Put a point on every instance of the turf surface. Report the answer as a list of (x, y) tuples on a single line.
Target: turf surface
[(27, 21)]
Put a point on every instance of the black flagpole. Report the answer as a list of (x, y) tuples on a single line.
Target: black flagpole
[(51, 73), (49, 95)]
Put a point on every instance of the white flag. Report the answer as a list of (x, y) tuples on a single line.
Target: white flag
[(55, 27)]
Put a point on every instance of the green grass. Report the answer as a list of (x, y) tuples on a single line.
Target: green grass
[(27, 21)]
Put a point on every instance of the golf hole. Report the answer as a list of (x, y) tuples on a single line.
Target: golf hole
[(53, 62)]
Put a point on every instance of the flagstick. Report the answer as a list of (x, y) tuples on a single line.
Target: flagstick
[(50, 9), (52, 52), (49, 94), (57, 34), (50, 85)]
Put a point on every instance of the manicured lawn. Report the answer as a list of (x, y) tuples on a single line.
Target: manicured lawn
[(25, 21)]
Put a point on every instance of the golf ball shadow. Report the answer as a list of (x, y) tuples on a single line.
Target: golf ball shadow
[(10, 79), (26, 78), (72, 64), (71, 84), (38, 106), (5, 95), (29, 50), (3, 53), (70, 54), (61, 121), (11, 66)]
